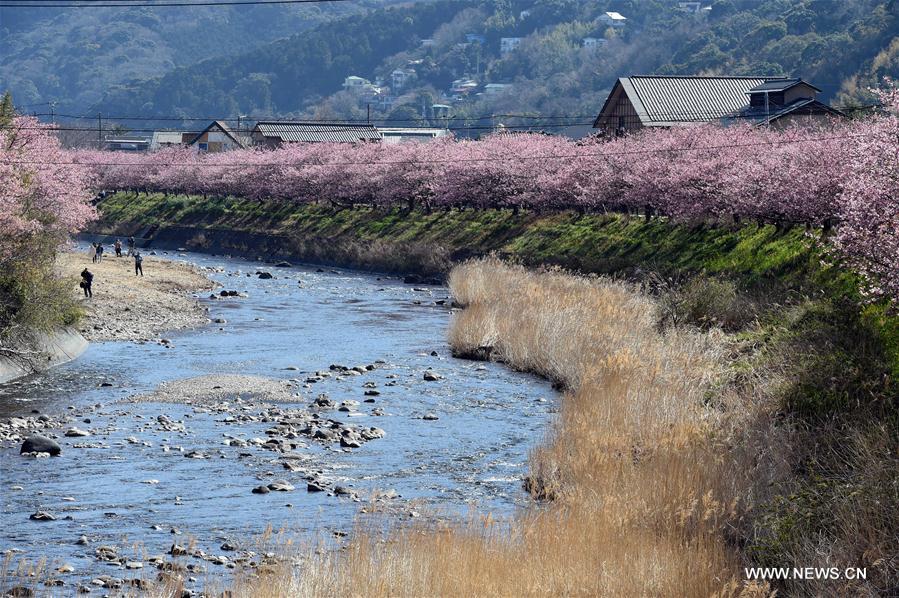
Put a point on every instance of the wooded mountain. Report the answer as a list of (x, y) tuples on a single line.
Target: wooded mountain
[(843, 47), (75, 56)]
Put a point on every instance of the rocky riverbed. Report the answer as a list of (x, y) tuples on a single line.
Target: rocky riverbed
[(136, 308), (311, 399)]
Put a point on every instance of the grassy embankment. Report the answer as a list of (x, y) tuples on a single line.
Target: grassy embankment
[(796, 444)]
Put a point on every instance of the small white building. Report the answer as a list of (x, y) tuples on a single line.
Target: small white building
[(440, 110), (397, 135), (354, 83), (692, 7), (524, 14), (427, 43), (399, 78), (612, 19), (509, 44)]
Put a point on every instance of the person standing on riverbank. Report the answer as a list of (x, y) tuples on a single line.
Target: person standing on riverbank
[(93, 252), (130, 246), (118, 248), (99, 252), (138, 263), (87, 279)]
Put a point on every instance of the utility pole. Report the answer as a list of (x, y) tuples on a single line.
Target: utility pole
[(99, 131), (52, 112), (368, 112)]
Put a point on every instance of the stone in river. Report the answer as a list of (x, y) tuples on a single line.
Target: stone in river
[(42, 516), (281, 486), (261, 490), (431, 376), (20, 592), (76, 433), (283, 265), (430, 416), (314, 486), (228, 546), (265, 275), (40, 444), (349, 442), (177, 550)]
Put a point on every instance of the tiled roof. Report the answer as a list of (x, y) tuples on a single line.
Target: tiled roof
[(311, 132)]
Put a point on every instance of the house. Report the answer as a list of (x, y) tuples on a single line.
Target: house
[(164, 139), (462, 89), (397, 135), (693, 7), (125, 143), (354, 83), (475, 38), (215, 138), (400, 77), (667, 101), (509, 44), (594, 43), (440, 110), (524, 14), (427, 43), (612, 19), (784, 101), (272, 134), (492, 89)]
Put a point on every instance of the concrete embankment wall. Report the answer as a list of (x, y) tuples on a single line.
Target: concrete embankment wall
[(41, 352)]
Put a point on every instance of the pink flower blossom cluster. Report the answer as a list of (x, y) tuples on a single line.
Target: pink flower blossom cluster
[(41, 192), (844, 174)]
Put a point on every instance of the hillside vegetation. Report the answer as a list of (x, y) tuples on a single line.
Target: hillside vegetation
[(841, 47)]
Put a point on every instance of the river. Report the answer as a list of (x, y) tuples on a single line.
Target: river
[(131, 487)]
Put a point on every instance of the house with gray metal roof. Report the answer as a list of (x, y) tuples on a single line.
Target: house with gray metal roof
[(274, 133), (215, 138), (670, 101)]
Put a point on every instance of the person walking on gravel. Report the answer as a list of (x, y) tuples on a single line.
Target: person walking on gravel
[(87, 279), (138, 263)]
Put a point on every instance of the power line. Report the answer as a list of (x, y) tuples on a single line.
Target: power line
[(108, 4), (697, 116), (449, 160)]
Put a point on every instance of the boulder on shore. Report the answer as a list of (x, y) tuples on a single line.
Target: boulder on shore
[(40, 444)]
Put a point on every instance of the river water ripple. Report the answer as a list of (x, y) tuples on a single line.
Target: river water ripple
[(474, 454)]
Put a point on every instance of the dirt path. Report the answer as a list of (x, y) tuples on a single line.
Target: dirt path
[(129, 307)]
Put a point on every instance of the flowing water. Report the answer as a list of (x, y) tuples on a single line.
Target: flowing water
[(130, 485)]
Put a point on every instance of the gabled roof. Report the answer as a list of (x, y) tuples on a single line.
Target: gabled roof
[(780, 85), (615, 16), (312, 132), (758, 116), (662, 101), (217, 124)]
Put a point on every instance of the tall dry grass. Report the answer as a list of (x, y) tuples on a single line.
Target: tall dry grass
[(641, 466)]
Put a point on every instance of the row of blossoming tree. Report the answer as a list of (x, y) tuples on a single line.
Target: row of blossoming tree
[(843, 174), (43, 198)]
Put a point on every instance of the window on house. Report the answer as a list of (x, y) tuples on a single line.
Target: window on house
[(204, 147)]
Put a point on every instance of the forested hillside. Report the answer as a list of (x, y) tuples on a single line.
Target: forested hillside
[(75, 56), (293, 60)]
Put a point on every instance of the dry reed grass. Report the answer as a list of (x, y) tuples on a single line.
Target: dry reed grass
[(640, 463)]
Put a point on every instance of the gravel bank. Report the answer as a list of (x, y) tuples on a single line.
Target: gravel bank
[(213, 388), (136, 308)]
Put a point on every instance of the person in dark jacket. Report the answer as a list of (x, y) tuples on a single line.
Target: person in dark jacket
[(138, 263), (87, 279)]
